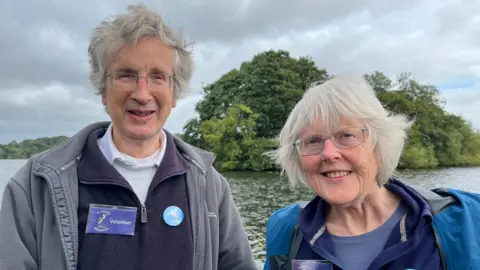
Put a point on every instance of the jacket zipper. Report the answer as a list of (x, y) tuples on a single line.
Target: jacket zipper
[(143, 215), (143, 207), (143, 211)]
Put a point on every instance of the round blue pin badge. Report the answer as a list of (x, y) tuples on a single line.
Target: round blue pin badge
[(173, 216)]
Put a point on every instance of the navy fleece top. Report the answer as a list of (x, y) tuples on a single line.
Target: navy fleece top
[(154, 244), (410, 244)]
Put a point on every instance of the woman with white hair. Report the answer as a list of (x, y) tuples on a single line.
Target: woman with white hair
[(341, 142)]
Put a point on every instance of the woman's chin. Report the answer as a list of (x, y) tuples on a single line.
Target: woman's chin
[(338, 197), (336, 191), (340, 201)]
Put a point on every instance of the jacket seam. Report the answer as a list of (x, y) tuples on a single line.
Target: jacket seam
[(56, 210), (223, 189), (15, 181), (194, 162), (69, 198)]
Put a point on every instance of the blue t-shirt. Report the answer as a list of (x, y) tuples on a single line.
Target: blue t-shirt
[(358, 252)]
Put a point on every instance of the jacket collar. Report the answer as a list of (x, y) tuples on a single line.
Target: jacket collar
[(95, 167), (111, 152), (70, 151), (312, 218)]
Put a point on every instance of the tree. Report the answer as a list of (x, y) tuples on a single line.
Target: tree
[(233, 139), (437, 138), (270, 84), (379, 81), (263, 91)]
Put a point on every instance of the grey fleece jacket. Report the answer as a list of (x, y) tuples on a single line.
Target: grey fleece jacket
[(38, 215)]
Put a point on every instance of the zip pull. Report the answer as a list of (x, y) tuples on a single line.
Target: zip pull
[(143, 214)]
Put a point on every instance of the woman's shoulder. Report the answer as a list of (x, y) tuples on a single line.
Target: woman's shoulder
[(456, 228)]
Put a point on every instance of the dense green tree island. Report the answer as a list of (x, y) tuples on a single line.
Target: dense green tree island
[(243, 111)]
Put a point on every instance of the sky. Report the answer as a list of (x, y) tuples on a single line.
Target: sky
[(44, 86)]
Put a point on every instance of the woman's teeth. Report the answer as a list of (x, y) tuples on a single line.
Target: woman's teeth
[(336, 174)]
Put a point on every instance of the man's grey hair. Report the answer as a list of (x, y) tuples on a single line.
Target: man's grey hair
[(127, 28), (353, 99)]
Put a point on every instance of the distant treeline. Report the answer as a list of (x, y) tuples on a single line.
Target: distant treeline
[(28, 148), (246, 108)]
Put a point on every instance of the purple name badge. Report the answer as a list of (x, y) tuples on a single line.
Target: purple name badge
[(311, 265), (110, 219)]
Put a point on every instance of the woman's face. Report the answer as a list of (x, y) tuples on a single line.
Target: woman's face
[(340, 175)]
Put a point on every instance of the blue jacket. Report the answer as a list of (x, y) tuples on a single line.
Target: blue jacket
[(441, 227)]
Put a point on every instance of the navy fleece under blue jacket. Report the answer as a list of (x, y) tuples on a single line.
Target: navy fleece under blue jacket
[(417, 251)]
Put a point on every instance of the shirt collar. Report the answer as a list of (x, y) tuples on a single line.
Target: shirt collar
[(112, 154)]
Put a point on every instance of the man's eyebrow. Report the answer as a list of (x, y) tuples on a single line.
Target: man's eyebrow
[(127, 70), (156, 70)]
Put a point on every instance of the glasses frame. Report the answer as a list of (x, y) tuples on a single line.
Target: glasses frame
[(296, 144), (170, 78)]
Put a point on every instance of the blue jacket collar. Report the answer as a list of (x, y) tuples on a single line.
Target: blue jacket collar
[(312, 218)]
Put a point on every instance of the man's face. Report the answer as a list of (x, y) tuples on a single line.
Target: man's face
[(140, 109)]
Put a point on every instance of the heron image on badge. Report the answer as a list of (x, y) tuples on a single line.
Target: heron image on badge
[(311, 265), (102, 217)]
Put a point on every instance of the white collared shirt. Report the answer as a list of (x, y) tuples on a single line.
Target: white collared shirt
[(138, 172)]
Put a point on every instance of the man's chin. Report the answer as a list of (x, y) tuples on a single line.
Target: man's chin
[(143, 133)]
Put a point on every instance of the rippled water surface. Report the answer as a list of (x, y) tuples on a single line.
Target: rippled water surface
[(259, 194)]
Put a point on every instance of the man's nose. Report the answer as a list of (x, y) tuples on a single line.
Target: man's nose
[(142, 92)]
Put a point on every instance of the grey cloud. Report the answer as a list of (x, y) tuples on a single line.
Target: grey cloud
[(360, 36), (27, 58), (184, 111), (456, 16), (387, 45), (228, 22), (55, 110), (34, 35), (465, 102)]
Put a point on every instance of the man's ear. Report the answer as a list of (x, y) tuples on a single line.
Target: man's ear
[(104, 97)]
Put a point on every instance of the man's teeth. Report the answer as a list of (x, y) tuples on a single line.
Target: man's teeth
[(141, 113), (336, 174)]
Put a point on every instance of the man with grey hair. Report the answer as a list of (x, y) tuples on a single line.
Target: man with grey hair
[(125, 194)]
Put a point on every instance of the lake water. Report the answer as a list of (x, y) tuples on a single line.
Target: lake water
[(259, 194)]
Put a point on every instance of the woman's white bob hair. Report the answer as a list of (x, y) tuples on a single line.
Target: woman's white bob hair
[(350, 98)]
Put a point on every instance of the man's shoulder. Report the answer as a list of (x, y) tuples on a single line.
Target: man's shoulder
[(58, 156), (25, 173), (198, 157)]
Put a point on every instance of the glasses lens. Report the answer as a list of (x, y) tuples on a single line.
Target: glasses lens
[(310, 146), (344, 138), (125, 80), (348, 137)]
